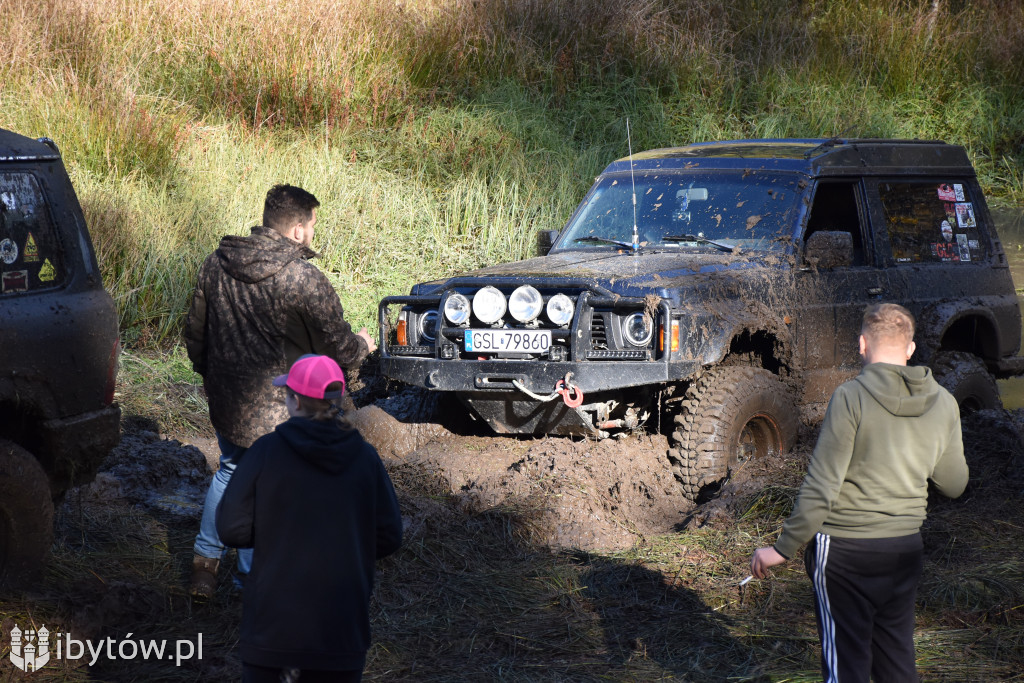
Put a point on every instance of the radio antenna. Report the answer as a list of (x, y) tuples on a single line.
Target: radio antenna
[(636, 231)]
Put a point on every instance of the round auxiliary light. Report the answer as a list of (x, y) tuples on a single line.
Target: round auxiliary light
[(429, 323), (560, 309), (456, 309), (638, 329), (489, 305), (525, 304)]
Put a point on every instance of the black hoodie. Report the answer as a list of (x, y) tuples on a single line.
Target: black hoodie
[(260, 304), (315, 503)]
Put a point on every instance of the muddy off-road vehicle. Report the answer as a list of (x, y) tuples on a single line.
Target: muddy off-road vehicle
[(715, 292), (58, 350)]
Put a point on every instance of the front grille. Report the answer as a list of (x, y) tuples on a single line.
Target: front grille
[(598, 333), (411, 350), (626, 354)]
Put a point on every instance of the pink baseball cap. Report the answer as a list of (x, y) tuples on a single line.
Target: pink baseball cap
[(311, 375)]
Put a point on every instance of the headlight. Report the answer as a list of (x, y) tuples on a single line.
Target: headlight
[(560, 309), (638, 329), (456, 309), (525, 304), (428, 325), (489, 305)]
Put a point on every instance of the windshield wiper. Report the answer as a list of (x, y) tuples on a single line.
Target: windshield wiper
[(604, 240), (697, 238)]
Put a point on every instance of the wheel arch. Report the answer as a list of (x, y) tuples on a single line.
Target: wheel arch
[(956, 328)]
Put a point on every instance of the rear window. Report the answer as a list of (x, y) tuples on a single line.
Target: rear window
[(31, 256), (931, 222)]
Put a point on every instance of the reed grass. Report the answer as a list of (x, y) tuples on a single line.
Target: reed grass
[(441, 136)]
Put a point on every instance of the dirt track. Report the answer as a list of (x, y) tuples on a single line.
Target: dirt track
[(561, 492)]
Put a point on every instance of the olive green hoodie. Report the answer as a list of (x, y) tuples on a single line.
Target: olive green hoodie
[(885, 434)]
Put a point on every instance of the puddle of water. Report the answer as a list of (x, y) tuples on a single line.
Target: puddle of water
[(1010, 226)]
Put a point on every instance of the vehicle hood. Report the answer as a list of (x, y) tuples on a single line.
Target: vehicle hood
[(625, 274)]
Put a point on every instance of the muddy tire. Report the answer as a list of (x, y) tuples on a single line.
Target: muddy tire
[(26, 513), (965, 376), (731, 415)]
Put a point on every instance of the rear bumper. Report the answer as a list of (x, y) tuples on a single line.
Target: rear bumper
[(72, 448)]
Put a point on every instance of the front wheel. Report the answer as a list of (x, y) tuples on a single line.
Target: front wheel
[(730, 416), (26, 513)]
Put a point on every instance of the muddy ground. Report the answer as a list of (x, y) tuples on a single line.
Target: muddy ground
[(565, 493)]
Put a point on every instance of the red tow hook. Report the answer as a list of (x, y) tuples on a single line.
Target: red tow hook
[(572, 395)]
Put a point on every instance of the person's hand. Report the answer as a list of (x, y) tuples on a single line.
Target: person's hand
[(763, 560), (371, 345)]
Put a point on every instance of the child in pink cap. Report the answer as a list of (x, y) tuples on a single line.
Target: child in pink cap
[(313, 500)]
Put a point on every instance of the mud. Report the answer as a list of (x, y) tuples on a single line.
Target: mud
[(557, 492)]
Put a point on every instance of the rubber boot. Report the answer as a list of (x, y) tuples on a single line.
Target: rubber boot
[(204, 576)]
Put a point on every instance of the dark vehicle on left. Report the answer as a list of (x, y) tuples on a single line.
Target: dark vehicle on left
[(59, 350)]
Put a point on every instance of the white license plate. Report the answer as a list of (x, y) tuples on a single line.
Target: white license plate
[(517, 341)]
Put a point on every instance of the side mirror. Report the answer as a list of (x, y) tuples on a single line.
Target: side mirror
[(545, 238), (829, 249)]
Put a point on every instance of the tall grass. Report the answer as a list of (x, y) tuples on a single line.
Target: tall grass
[(442, 135)]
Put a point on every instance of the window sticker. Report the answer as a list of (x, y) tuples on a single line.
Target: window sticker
[(8, 251), (950, 209), (972, 244), (15, 281), (965, 216), (947, 193), (8, 199), (965, 252), (47, 273), (30, 254), (958, 192), (947, 231)]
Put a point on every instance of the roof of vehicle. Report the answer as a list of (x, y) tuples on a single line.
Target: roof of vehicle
[(814, 157), (14, 147)]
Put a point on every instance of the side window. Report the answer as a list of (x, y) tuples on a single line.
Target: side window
[(931, 222), (835, 209), (31, 256)]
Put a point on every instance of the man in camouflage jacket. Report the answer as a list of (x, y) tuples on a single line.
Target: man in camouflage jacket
[(258, 305)]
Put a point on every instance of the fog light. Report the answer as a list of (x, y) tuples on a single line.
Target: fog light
[(448, 351), (557, 353)]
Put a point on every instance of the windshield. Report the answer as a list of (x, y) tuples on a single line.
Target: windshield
[(679, 211)]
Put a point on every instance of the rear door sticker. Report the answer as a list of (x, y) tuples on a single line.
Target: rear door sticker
[(958, 191), (946, 193), (965, 215), (8, 251), (15, 281), (30, 254), (47, 273), (965, 252)]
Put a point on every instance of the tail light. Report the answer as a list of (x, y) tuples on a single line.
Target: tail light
[(115, 354)]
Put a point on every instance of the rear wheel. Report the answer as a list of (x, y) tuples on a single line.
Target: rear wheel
[(730, 416), (965, 376), (26, 513)]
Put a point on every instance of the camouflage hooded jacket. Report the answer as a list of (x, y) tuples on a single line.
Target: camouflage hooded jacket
[(258, 305)]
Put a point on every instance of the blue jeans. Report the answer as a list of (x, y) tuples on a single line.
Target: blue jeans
[(208, 542)]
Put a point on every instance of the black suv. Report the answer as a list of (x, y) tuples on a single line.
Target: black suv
[(713, 291), (58, 349)]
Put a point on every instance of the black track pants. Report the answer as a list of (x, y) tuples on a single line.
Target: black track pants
[(864, 593)]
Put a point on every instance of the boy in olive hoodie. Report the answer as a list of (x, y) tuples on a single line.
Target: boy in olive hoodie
[(886, 434)]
